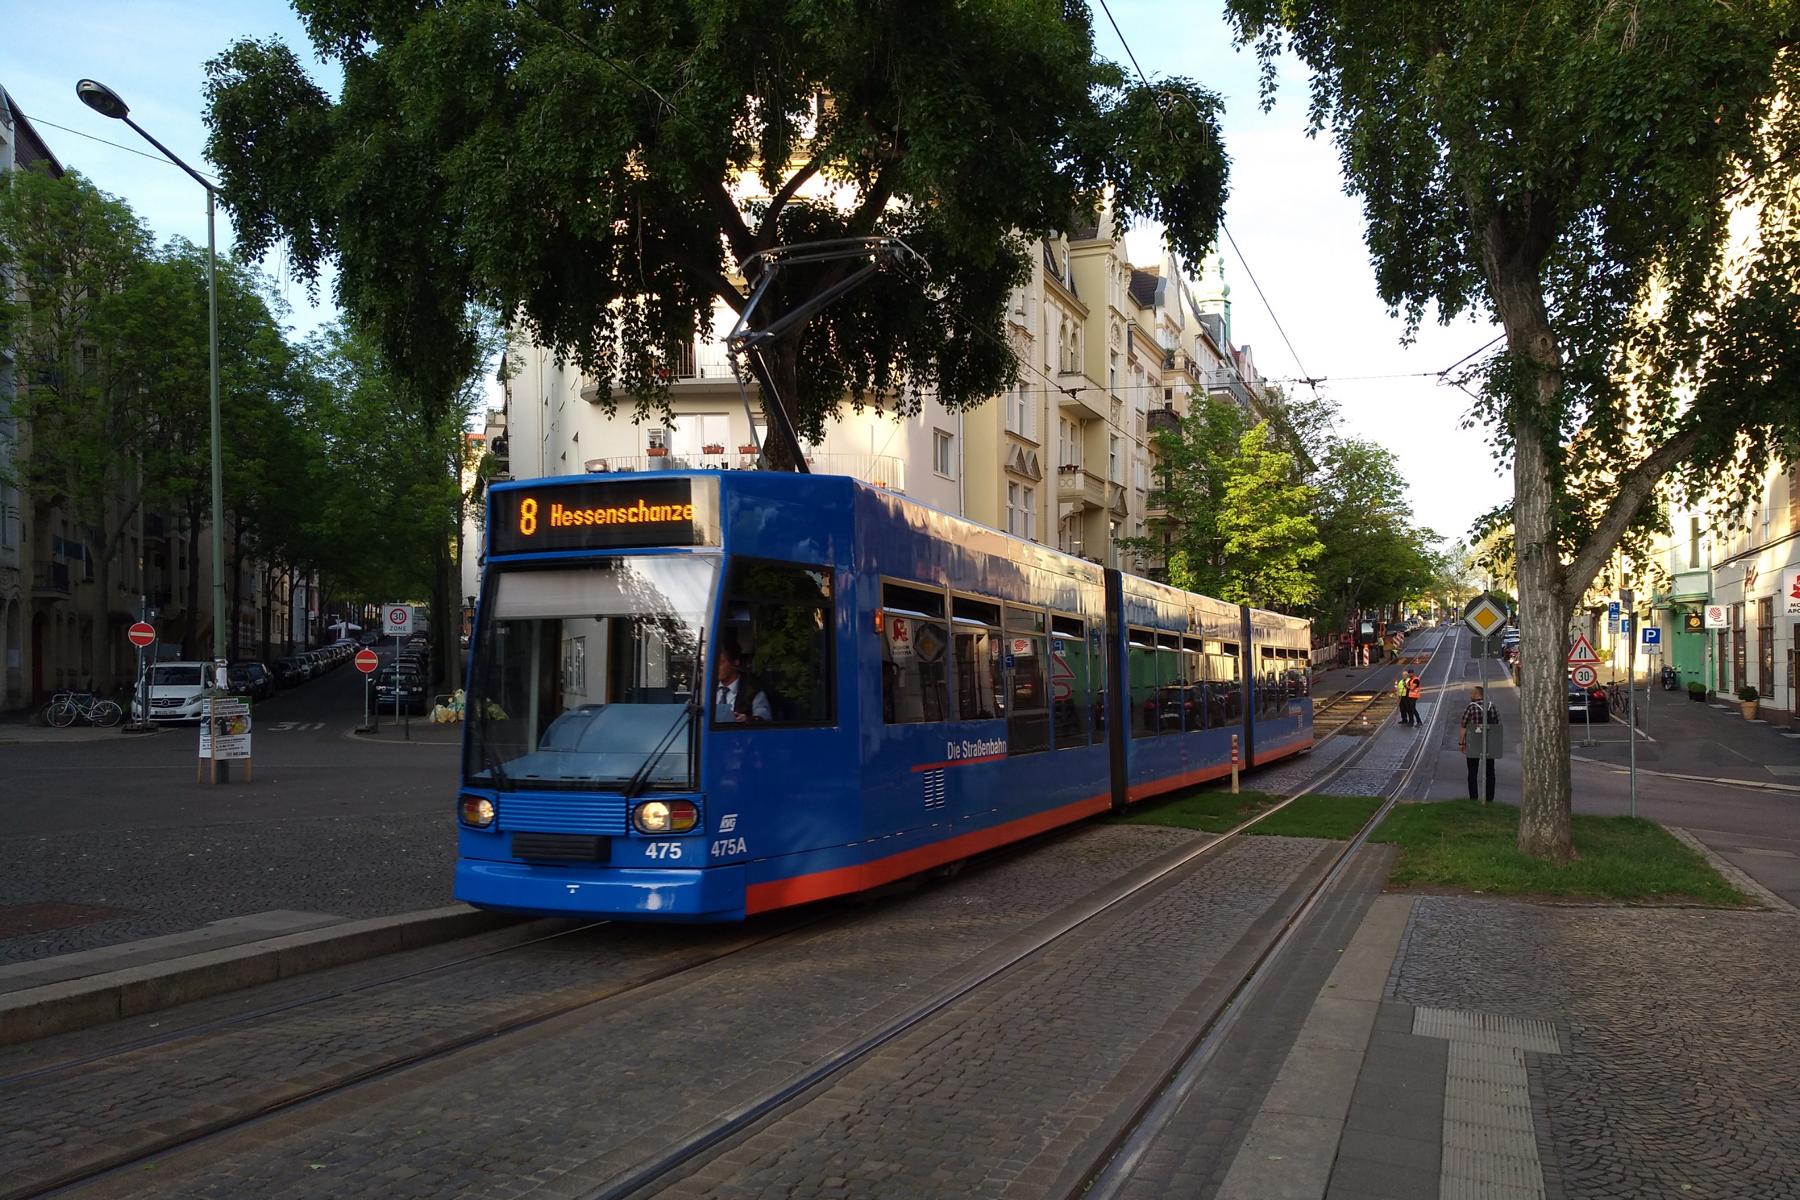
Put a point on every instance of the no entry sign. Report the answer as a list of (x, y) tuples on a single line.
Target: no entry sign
[(141, 634), (366, 662)]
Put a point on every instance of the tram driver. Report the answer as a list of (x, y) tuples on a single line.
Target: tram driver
[(740, 697)]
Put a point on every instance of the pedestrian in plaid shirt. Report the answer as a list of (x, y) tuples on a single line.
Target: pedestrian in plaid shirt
[(1478, 712)]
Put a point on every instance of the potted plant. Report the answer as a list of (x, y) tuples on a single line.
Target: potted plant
[(1747, 698), (747, 448), (1696, 690), (657, 451), (712, 448)]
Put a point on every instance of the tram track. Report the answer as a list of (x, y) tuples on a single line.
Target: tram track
[(679, 1159), (675, 1159), (126, 1153)]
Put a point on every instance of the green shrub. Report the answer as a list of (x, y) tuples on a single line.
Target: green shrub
[(1696, 688), (1747, 693)]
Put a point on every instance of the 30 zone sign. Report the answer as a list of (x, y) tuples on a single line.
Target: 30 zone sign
[(589, 516)]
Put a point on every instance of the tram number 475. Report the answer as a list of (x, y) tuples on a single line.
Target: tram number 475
[(663, 850)]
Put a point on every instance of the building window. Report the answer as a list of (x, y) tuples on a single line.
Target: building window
[(1015, 515), (1693, 542), (1031, 514), (1112, 457), (943, 456)]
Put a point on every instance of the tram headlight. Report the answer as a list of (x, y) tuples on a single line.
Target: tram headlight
[(477, 811), (665, 816)]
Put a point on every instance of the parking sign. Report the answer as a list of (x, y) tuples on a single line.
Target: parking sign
[(1652, 635)]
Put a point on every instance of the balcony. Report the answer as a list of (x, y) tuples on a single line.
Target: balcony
[(882, 470), (706, 362), (1080, 488), (50, 580), (1081, 397), (1164, 420)]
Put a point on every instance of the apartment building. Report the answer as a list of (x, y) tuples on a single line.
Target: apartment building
[(1755, 572)]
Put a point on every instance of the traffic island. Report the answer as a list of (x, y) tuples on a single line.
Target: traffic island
[(1466, 846)]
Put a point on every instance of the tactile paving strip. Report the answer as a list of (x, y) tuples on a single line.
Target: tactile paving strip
[(1490, 1146)]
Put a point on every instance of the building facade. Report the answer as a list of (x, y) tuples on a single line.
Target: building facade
[(1109, 354)]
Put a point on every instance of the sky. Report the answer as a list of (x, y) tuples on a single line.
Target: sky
[(1300, 236)]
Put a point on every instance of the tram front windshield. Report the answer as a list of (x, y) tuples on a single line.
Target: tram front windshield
[(583, 674)]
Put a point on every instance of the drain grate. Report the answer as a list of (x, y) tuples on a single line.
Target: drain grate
[(18, 920)]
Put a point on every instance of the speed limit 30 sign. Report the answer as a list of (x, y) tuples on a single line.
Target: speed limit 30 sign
[(1583, 676), (396, 620)]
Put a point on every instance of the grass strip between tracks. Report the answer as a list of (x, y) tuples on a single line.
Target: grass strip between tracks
[(1466, 846), (1214, 810)]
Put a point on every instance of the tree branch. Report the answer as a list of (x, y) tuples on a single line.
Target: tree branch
[(737, 234), (765, 237), (1635, 487)]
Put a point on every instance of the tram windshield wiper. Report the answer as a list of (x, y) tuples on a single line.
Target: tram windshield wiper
[(683, 723), (490, 761)]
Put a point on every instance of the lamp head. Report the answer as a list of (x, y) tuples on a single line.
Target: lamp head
[(102, 99)]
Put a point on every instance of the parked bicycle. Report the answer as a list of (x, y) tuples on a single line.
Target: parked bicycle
[(64, 707), (1618, 698)]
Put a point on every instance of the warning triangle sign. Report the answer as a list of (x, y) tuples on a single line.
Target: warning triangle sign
[(1581, 654)]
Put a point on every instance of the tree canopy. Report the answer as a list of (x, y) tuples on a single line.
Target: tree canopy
[(603, 174), (1615, 184)]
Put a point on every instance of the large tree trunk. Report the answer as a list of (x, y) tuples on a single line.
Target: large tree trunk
[(193, 644), (1544, 603), (1544, 608)]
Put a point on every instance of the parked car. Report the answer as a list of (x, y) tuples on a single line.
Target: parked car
[(1588, 703), (290, 670), (175, 692), (398, 687), (250, 679), (369, 637)]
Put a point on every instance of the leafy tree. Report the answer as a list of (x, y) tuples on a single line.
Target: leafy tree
[(80, 301), (1194, 463), (577, 167), (1269, 538), (1373, 555), (1581, 171)]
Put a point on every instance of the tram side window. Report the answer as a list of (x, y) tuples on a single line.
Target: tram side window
[(1027, 683), (913, 680), (1171, 700), (1097, 681), (1141, 663), (980, 680), (1194, 684), (1226, 684), (777, 620), (1070, 676)]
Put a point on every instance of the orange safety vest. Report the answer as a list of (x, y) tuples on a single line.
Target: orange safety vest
[(1412, 688)]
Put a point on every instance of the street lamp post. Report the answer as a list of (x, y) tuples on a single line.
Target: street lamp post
[(108, 103)]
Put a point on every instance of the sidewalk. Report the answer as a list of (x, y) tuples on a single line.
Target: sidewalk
[(1710, 739)]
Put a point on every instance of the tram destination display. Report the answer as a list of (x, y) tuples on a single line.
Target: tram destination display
[(601, 515)]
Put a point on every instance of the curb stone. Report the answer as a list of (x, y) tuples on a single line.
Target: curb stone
[(1733, 874), (51, 1008)]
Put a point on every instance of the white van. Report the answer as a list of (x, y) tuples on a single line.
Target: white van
[(175, 691)]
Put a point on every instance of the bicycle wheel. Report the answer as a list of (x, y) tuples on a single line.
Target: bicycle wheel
[(106, 714), (61, 714)]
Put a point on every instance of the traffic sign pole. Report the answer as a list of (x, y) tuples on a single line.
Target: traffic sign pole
[(142, 634), (1626, 599)]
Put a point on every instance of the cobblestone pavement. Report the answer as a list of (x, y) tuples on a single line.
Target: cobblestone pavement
[(580, 1098), (1011, 1091), (1681, 1073), (173, 878)]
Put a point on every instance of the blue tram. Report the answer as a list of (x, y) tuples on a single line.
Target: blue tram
[(702, 695)]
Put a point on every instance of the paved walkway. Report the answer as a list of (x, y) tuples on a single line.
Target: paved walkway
[(1475, 1047)]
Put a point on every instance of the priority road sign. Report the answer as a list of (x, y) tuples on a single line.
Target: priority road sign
[(141, 634), (1483, 617), (1583, 676), (366, 661), (397, 620), (1652, 635), (1581, 654)]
